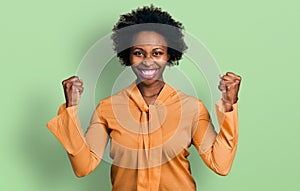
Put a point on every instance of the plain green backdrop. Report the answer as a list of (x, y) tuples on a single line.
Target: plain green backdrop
[(43, 42)]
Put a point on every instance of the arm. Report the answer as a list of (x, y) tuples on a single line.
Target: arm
[(85, 153), (217, 150)]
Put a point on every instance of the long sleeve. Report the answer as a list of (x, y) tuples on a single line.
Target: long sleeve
[(84, 152), (217, 150)]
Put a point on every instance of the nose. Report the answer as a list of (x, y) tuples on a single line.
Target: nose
[(148, 61)]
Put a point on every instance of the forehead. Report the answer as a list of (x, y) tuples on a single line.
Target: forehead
[(148, 38)]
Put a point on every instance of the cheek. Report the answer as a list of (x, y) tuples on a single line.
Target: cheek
[(134, 60), (163, 60), (165, 57)]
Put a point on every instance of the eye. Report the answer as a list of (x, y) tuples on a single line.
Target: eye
[(157, 53), (137, 53)]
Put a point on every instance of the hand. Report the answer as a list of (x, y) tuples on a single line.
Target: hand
[(229, 86), (73, 89)]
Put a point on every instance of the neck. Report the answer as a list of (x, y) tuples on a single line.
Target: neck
[(152, 89)]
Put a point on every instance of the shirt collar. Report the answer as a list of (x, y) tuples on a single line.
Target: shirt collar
[(134, 94)]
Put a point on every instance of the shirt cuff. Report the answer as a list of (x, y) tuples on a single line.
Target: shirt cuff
[(66, 128), (228, 122)]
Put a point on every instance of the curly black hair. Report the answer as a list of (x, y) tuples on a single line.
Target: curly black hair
[(148, 18)]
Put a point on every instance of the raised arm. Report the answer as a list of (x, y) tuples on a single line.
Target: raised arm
[(218, 150), (84, 152)]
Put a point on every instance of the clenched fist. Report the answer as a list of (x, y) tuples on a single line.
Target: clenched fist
[(229, 86), (73, 88)]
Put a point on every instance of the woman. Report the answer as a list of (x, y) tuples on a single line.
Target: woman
[(151, 125)]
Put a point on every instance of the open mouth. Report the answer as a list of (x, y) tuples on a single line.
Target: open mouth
[(148, 73)]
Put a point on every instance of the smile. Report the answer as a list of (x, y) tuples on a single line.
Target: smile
[(148, 73)]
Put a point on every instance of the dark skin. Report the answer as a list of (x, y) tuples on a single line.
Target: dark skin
[(73, 88), (229, 86), (148, 59), (149, 54)]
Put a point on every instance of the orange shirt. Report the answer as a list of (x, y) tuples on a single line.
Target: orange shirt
[(149, 144)]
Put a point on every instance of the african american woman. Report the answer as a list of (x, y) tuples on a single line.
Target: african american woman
[(150, 124)]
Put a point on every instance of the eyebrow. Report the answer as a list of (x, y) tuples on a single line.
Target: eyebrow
[(134, 48), (137, 48)]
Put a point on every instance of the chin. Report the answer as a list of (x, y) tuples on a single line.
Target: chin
[(148, 81)]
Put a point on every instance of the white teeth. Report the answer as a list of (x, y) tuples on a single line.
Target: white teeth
[(148, 72)]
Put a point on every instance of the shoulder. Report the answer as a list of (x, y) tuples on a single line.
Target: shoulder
[(187, 102), (187, 99), (119, 98)]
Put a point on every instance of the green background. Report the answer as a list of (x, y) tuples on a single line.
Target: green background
[(43, 42)]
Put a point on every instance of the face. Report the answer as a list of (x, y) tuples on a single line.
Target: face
[(148, 56)]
